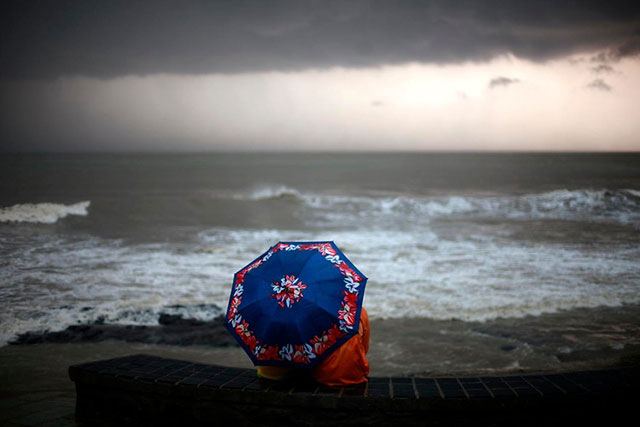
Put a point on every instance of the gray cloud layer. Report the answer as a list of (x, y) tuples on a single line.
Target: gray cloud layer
[(502, 81), (600, 85), (45, 39)]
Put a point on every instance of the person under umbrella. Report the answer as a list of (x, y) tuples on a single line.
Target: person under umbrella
[(299, 306)]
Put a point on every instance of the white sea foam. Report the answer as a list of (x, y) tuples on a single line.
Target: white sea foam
[(268, 192), (382, 209), (417, 274), (622, 206), (45, 213), (635, 193), (58, 283), (51, 281)]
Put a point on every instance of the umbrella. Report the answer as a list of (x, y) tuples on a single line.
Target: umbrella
[(295, 304)]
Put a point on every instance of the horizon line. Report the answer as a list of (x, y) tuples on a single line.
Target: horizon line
[(283, 151)]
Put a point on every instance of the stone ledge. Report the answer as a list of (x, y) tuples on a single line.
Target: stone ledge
[(149, 390)]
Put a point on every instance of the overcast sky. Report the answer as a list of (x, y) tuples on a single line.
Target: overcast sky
[(319, 75)]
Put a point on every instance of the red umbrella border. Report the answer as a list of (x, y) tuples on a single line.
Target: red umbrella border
[(299, 353)]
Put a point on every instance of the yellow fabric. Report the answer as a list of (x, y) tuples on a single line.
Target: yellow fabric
[(274, 372)]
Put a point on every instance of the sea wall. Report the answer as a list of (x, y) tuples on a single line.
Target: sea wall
[(148, 390)]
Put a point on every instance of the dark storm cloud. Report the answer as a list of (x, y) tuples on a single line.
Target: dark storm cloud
[(599, 84), (502, 81), (44, 39), (629, 48)]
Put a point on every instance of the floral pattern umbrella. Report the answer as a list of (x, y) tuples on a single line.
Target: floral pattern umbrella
[(295, 304)]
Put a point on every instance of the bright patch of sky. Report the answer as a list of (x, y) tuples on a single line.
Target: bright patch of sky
[(503, 104)]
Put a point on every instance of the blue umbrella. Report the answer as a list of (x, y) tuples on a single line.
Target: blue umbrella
[(295, 304)]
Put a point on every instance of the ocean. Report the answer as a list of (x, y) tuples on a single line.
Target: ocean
[(483, 240)]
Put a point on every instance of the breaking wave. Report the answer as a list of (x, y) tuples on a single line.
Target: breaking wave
[(621, 206), (269, 193), (415, 270), (52, 283), (326, 209), (57, 318), (44, 213)]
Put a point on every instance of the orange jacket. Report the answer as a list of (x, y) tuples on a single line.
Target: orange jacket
[(347, 365)]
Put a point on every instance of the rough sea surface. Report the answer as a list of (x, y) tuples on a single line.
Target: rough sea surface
[(492, 249)]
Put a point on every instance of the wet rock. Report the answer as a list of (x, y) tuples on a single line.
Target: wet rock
[(176, 319), (172, 330)]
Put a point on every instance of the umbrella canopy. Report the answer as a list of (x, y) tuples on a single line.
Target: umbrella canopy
[(295, 304)]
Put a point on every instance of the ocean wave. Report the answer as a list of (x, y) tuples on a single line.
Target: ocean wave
[(44, 213), (57, 318), (412, 273), (622, 206), (416, 273), (366, 210), (269, 192), (635, 193), (618, 204)]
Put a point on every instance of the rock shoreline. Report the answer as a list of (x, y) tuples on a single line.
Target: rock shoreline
[(171, 330)]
